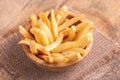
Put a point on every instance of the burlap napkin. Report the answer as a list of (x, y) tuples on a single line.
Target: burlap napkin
[(14, 65)]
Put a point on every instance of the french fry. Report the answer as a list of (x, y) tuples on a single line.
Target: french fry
[(58, 17), (81, 26), (34, 46), (80, 50), (54, 27), (25, 41), (82, 43), (45, 19), (24, 33), (66, 45), (34, 20), (47, 30), (59, 58), (48, 59), (40, 36), (55, 44), (61, 15), (71, 34), (35, 32), (66, 20), (70, 22), (41, 16), (30, 43), (71, 55), (83, 30), (62, 19), (42, 50), (66, 31)]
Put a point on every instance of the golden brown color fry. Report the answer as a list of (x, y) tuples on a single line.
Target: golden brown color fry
[(66, 45), (47, 30), (43, 16), (54, 27), (48, 59), (70, 33), (41, 35), (33, 45), (34, 20), (33, 48), (55, 44), (59, 58), (30, 43), (71, 21), (61, 15), (35, 32), (24, 33), (83, 30), (45, 19), (80, 50), (71, 55), (25, 41), (84, 42)]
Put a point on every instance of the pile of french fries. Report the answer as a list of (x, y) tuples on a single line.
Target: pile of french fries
[(57, 36)]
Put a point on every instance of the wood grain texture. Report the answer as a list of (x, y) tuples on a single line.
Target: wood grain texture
[(104, 13)]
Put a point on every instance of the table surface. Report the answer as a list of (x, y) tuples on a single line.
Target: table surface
[(104, 13)]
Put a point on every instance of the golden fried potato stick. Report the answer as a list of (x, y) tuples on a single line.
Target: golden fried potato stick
[(82, 25), (45, 19), (55, 44), (62, 19), (80, 50), (34, 20), (71, 34), (47, 30), (61, 15), (70, 22), (58, 17), (41, 16), (71, 55), (48, 59), (34, 47), (59, 58), (66, 20), (54, 27), (25, 41), (30, 43), (35, 32), (65, 32), (83, 29), (82, 43), (24, 33), (42, 49), (40, 36), (66, 45)]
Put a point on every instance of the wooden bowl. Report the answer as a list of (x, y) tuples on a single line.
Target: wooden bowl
[(52, 67)]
